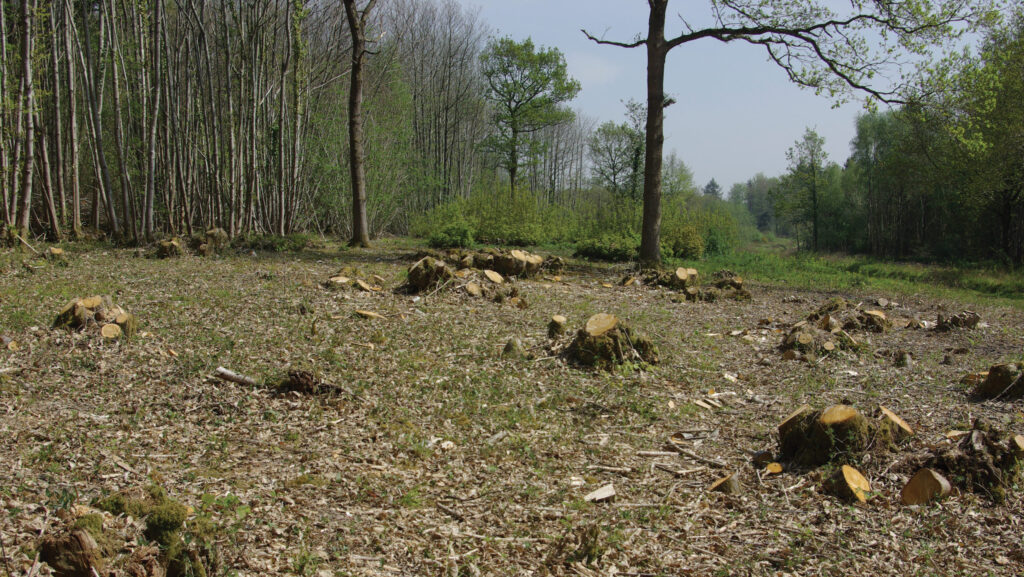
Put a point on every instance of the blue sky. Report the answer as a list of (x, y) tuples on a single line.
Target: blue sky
[(736, 113)]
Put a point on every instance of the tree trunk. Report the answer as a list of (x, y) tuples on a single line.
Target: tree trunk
[(357, 23), (657, 51), (28, 91)]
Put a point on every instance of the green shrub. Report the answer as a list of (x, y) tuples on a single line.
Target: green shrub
[(683, 242), (452, 235), (615, 248), (513, 234), (274, 243)]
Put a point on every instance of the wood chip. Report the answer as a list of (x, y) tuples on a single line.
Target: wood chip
[(600, 495)]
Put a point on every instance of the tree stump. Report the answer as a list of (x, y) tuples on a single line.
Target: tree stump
[(849, 484), (1004, 381), (815, 438), (605, 342), (729, 484), (892, 427), (556, 326), (925, 486), (427, 273)]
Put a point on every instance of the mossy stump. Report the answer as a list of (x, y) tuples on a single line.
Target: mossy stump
[(985, 460), (606, 342), (813, 438), (427, 273)]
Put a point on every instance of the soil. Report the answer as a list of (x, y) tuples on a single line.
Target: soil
[(434, 455)]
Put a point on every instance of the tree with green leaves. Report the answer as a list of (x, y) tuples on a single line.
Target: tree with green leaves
[(610, 149), (835, 51), (807, 162), (713, 189), (527, 88)]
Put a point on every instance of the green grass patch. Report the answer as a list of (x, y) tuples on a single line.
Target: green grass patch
[(973, 284)]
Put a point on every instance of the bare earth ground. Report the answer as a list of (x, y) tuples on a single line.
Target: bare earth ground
[(447, 459)]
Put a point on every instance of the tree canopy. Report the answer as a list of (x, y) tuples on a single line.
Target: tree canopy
[(527, 87)]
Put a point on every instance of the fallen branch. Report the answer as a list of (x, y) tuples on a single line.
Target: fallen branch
[(699, 459), (30, 247), (227, 375)]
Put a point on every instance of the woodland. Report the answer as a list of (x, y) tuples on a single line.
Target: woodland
[(293, 287)]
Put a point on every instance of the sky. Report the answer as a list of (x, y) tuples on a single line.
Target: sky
[(736, 113)]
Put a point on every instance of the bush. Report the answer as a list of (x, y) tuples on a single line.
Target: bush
[(452, 235), (615, 248), (683, 242), (273, 243), (517, 234)]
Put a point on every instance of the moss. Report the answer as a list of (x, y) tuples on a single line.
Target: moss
[(92, 523), (164, 522), (115, 504), (617, 346)]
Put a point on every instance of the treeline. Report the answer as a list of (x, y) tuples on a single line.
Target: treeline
[(940, 178), (152, 117)]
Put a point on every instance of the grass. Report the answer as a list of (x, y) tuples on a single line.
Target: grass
[(349, 481), (777, 266)]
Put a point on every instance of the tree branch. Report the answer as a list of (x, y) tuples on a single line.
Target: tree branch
[(639, 42)]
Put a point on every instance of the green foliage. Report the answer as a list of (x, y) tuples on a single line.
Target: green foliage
[(609, 247), (526, 88), (616, 154), (452, 235), (682, 241), (272, 243)]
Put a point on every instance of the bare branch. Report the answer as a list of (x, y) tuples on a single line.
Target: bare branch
[(639, 42)]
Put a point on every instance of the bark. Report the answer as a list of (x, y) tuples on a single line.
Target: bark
[(357, 29), (28, 98), (657, 51)]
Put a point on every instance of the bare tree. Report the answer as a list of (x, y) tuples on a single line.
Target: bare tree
[(837, 53)]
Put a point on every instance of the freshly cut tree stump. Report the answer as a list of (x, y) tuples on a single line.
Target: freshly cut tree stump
[(925, 486), (849, 484), (494, 276), (773, 468), (127, 323), (816, 438), (1003, 381), (605, 342), (891, 425), (55, 253), (794, 420), (427, 273), (474, 289), (729, 484), (556, 326), (684, 277), (96, 311), (600, 324), (873, 321)]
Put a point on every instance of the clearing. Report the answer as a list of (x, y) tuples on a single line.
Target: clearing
[(429, 452)]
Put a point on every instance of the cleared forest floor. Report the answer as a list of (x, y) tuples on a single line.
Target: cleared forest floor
[(439, 457)]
